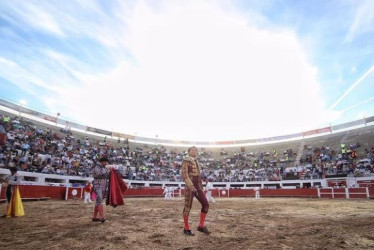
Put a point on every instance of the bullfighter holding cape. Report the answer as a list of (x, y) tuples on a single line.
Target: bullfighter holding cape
[(106, 184)]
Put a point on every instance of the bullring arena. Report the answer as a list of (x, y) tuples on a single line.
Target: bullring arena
[(297, 210), (154, 223)]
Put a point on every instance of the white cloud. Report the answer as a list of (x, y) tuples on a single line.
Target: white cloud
[(7, 62), (363, 21), (352, 87), (24, 14), (200, 71), (22, 77)]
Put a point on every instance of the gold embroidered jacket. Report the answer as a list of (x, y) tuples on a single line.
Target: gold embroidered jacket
[(191, 173)]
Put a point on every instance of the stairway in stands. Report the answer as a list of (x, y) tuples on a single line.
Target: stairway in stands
[(344, 138), (302, 175), (299, 153)]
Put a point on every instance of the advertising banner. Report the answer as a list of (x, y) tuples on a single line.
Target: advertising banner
[(25, 110), (31, 112), (285, 137), (9, 105), (225, 142), (348, 124), (245, 141), (50, 118), (317, 131), (71, 124), (99, 131), (145, 139), (369, 119), (125, 136)]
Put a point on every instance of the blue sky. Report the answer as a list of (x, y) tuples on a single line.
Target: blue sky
[(193, 70)]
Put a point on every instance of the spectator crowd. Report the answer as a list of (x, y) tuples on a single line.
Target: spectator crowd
[(36, 148)]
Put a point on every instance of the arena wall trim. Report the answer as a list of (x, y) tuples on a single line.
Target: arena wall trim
[(15, 108), (60, 187)]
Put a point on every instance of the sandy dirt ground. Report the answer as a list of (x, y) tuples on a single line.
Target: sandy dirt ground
[(154, 223)]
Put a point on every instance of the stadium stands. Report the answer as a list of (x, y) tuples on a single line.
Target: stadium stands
[(36, 147)]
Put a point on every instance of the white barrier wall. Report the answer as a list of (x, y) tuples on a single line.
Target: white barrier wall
[(62, 180)]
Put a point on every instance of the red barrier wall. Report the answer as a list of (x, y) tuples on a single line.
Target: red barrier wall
[(335, 193), (357, 193), (340, 193), (326, 193), (35, 192), (43, 191), (303, 192), (368, 183), (79, 193)]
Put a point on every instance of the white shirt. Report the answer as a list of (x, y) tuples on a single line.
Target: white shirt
[(14, 179), (209, 186)]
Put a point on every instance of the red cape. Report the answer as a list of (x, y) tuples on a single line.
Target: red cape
[(116, 189)]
